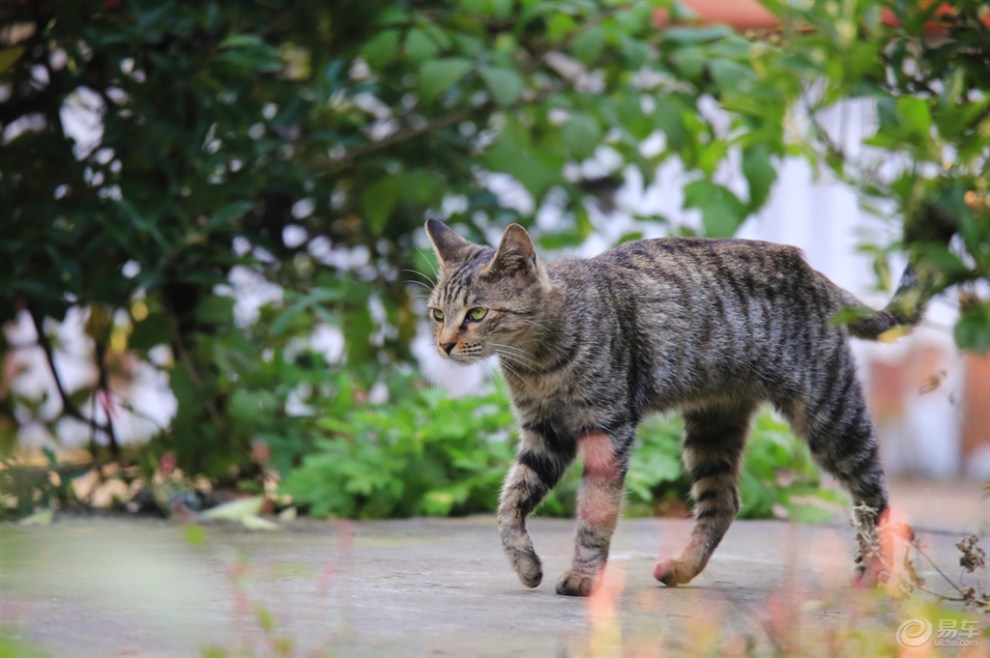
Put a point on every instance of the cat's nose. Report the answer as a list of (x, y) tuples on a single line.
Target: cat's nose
[(448, 347)]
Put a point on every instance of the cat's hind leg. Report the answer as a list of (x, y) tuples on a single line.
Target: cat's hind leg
[(836, 423), (539, 464), (606, 460), (714, 439)]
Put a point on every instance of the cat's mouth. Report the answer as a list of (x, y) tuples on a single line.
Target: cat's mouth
[(465, 354)]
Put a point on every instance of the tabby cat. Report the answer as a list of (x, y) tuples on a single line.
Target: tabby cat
[(708, 327)]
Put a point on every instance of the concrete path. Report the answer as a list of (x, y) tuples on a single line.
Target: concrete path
[(110, 587)]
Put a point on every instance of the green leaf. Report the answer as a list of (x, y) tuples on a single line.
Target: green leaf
[(636, 18), (494, 8), (419, 187), (381, 49), (533, 174), (378, 201), (721, 211), (229, 214), (437, 76), (235, 510), (241, 41), (581, 134), (668, 115), (249, 51), (589, 45), (690, 61), (760, 174), (559, 26), (419, 46), (504, 84), (730, 76), (914, 115), (696, 35), (972, 332), (153, 330), (216, 310)]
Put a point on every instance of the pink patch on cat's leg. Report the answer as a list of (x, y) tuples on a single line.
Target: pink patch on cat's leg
[(598, 504), (598, 456)]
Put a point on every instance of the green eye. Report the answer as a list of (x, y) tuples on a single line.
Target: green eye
[(476, 314), (438, 315)]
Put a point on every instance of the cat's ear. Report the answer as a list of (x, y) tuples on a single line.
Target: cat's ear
[(447, 243), (516, 255)]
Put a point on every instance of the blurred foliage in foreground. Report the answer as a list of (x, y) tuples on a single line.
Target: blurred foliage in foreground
[(160, 157)]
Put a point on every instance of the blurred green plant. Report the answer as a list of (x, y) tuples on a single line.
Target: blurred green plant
[(424, 454), (780, 479), (429, 455)]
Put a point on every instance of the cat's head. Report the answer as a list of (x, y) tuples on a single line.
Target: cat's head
[(486, 301)]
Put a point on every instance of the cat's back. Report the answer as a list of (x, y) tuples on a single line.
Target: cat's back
[(712, 255), (697, 288), (697, 265)]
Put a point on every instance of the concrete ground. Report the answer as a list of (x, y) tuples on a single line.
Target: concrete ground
[(113, 587)]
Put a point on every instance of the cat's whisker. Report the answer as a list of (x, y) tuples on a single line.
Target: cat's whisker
[(432, 282), (512, 348), (522, 359), (429, 261), (520, 354), (418, 283), (516, 374), (507, 363)]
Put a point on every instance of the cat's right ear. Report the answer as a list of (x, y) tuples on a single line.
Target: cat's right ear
[(448, 244)]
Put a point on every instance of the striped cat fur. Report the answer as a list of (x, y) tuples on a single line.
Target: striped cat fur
[(711, 328)]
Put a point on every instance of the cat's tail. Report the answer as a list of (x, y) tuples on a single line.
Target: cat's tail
[(907, 307), (903, 312)]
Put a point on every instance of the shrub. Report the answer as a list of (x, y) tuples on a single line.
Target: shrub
[(427, 454)]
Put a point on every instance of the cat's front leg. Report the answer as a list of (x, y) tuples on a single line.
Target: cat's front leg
[(536, 470), (598, 506)]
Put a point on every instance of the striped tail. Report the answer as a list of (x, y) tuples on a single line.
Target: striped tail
[(903, 312)]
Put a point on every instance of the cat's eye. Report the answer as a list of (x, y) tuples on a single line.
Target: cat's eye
[(476, 314), (438, 315)]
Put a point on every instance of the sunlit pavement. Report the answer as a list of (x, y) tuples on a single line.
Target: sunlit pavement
[(121, 587)]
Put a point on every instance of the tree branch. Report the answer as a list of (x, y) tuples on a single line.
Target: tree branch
[(69, 407), (103, 385), (349, 158), (353, 155)]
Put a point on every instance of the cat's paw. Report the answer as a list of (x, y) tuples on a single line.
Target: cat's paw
[(527, 566), (673, 572), (881, 554), (575, 583)]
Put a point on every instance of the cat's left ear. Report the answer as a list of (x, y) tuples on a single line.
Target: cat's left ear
[(516, 254)]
